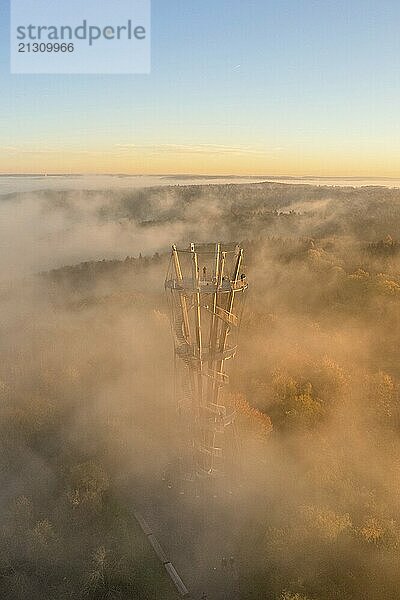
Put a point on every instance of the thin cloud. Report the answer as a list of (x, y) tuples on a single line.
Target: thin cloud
[(22, 150), (206, 149)]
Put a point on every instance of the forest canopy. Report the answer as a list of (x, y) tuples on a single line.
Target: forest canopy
[(87, 408)]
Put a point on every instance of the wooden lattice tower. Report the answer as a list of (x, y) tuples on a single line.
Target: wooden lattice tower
[(206, 289)]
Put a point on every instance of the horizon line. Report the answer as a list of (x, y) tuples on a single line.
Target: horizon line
[(199, 176)]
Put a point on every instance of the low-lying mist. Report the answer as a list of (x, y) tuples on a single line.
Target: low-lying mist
[(88, 422)]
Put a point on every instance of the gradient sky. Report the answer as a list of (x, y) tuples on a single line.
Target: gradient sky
[(263, 87)]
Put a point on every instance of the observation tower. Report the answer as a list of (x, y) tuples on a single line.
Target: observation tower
[(206, 288)]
